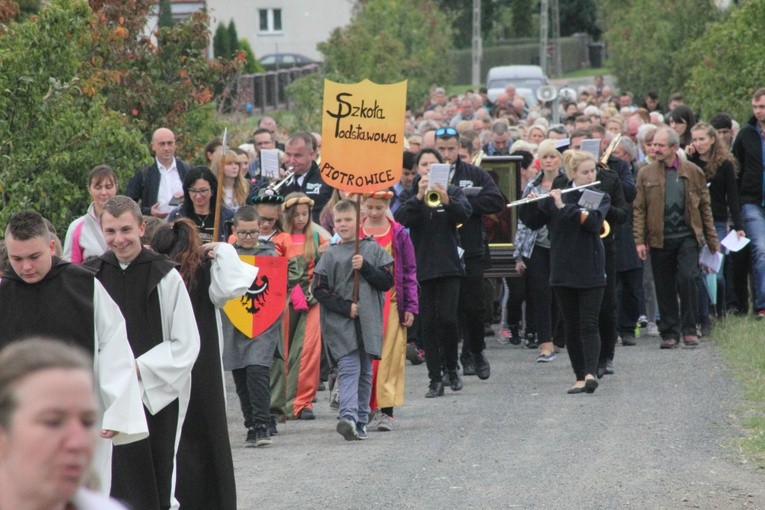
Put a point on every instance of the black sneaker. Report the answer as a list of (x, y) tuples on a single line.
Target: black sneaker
[(252, 438), (413, 354), (482, 368), (455, 383), (347, 428), (361, 431), (628, 339), (468, 366), (435, 389), (262, 437), (306, 414), (515, 336), (530, 342), (272, 426)]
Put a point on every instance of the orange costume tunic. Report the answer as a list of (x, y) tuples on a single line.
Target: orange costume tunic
[(294, 386)]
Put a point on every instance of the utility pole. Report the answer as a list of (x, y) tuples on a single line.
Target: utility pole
[(477, 46), (543, 28), (557, 67)]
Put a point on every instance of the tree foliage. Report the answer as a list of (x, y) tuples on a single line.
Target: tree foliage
[(221, 45), (460, 15), (579, 16), (728, 63), (389, 41), (522, 11), (648, 41), (83, 86)]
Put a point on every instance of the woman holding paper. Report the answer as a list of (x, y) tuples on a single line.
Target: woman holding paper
[(712, 156), (439, 267), (577, 264)]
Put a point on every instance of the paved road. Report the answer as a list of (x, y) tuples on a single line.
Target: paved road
[(659, 434)]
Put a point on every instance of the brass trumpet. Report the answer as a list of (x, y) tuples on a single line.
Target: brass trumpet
[(605, 229), (287, 179), (432, 198)]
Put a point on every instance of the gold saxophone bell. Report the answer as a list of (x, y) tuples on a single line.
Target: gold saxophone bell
[(605, 229), (432, 198)]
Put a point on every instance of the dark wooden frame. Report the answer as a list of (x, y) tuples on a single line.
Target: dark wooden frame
[(505, 170)]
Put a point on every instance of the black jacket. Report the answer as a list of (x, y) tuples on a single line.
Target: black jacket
[(434, 231), (488, 201), (313, 186), (747, 149), (577, 255), (144, 185)]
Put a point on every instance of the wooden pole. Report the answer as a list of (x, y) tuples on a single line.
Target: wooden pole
[(356, 248), (219, 191)]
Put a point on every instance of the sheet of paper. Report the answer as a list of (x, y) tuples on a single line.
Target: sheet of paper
[(711, 260), (590, 199), (269, 163), (592, 145), (439, 174), (733, 242)]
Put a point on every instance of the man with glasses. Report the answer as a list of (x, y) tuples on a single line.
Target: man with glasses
[(485, 198), (158, 187)]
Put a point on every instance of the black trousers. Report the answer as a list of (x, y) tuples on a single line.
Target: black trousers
[(675, 269), (607, 315), (516, 296), (580, 309), (439, 325), (253, 387), (540, 294), (142, 471), (629, 291), (472, 306)]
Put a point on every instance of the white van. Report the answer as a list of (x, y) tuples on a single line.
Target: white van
[(525, 77)]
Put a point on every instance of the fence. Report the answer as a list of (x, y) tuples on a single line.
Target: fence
[(265, 91)]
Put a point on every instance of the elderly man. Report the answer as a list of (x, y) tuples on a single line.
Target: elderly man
[(749, 150), (159, 187), (672, 217), (300, 156), (466, 112)]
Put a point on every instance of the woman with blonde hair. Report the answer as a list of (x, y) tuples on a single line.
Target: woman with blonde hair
[(575, 242), (234, 187), (532, 254)]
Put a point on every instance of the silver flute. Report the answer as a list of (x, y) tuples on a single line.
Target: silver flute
[(545, 195)]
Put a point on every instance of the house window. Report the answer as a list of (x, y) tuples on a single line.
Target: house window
[(270, 20)]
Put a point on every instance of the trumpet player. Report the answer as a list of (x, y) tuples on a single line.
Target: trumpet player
[(577, 264), (300, 156), (433, 229), (484, 198)]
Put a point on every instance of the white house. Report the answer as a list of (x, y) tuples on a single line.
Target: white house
[(282, 26)]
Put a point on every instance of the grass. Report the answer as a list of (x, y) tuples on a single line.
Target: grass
[(742, 342)]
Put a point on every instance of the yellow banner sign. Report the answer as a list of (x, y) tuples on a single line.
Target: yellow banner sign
[(362, 135)]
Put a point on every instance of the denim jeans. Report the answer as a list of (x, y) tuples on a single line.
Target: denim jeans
[(354, 379), (754, 224)]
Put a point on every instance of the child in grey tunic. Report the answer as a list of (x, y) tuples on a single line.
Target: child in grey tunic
[(352, 331)]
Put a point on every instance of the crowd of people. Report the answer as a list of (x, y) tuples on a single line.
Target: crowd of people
[(606, 245)]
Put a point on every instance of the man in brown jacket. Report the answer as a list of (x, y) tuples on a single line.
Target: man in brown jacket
[(672, 217)]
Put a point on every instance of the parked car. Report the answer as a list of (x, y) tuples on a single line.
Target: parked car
[(527, 77), (275, 61)]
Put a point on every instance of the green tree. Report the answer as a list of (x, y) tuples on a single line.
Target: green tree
[(460, 15), (579, 16), (233, 39), (648, 41), (251, 64), (51, 132), (165, 18), (221, 48), (728, 63), (522, 11), (392, 40)]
